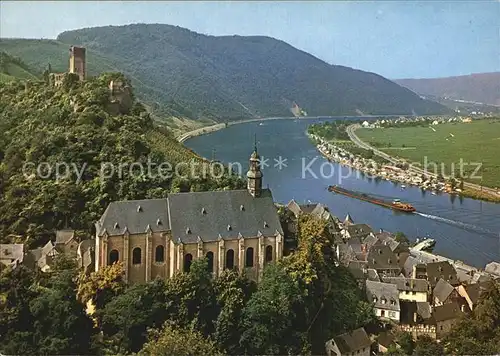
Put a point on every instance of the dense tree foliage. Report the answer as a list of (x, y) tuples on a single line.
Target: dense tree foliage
[(40, 314), (101, 157)]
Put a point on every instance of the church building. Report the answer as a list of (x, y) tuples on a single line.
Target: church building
[(233, 229)]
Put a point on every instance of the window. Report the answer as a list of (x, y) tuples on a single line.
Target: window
[(210, 260), (249, 257), (160, 254), (113, 257), (136, 256), (187, 262), (382, 313), (414, 293), (230, 259), (269, 253)]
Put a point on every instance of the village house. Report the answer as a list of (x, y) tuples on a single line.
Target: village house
[(66, 242), (356, 230), (444, 293), (354, 343), (234, 229), (11, 254), (410, 289), (385, 340), (385, 297), (446, 316), (434, 271), (400, 249), (472, 292), (417, 319), (383, 260)]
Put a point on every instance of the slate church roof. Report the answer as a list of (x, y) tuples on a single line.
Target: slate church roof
[(228, 213), (134, 215), (206, 215)]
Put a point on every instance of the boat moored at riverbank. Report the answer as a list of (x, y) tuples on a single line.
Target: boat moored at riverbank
[(395, 204)]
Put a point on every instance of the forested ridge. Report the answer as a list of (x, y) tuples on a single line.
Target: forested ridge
[(182, 73), (42, 124)]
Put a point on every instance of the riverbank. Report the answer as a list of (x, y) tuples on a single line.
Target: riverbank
[(208, 129), (391, 170), (466, 189)]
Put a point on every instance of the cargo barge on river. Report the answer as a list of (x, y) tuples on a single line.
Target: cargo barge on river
[(395, 204)]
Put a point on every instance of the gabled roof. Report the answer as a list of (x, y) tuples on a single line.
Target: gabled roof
[(294, 207), (475, 290), (134, 215), (408, 266), (348, 220), (381, 257), (64, 236), (383, 295), (442, 290), (372, 275), (228, 214), (421, 309), (360, 230), (448, 311), (408, 284), (353, 341), (442, 269), (386, 339)]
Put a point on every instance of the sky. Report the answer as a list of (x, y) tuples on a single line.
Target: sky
[(397, 39)]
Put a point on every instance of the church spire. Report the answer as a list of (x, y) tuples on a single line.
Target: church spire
[(254, 174)]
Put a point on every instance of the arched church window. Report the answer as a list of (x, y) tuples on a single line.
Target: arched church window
[(210, 258), (249, 257), (187, 262), (230, 259), (160, 253), (113, 257), (269, 253), (136, 256)]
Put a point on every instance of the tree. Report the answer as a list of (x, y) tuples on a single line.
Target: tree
[(401, 237), (233, 291), (16, 320), (405, 340), (102, 286), (427, 346), (126, 318), (191, 300), (270, 324), (61, 325), (179, 341)]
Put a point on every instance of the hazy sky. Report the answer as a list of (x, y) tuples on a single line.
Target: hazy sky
[(397, 39)]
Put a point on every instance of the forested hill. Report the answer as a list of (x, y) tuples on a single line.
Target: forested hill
[(42, 126), (232, 76), (185, 74)]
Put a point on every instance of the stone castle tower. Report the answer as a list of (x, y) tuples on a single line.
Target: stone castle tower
[(254, 174), (77, 61)]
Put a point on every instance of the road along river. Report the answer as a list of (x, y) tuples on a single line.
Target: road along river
[(464, 229)]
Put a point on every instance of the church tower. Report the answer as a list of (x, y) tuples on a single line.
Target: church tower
[(254, 174)]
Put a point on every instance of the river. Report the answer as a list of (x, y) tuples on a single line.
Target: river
[(464, 229)]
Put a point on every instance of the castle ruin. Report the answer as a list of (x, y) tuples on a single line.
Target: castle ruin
[(76, 66)]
